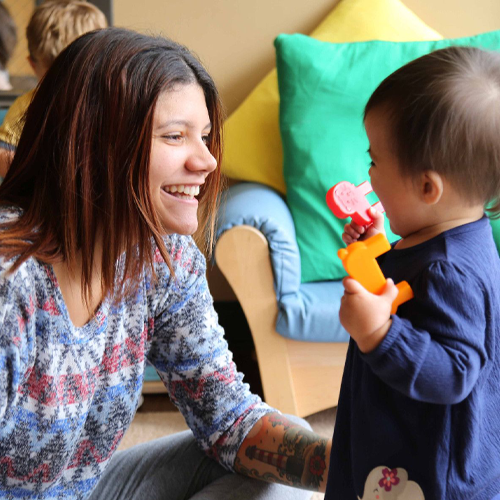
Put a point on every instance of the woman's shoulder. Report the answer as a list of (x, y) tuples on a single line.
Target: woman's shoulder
[(9, 214), (185, 256)]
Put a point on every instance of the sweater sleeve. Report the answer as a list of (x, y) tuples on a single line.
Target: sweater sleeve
[(17, 333), (438, 355), (190, 353)]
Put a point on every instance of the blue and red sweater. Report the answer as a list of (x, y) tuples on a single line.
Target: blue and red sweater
[(67, 394)]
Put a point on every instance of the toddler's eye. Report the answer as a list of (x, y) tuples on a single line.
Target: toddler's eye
[(371, 164)]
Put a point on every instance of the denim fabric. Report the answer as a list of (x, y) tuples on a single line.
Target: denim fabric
[(174, 468)]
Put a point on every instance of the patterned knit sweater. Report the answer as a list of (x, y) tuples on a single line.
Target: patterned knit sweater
[(67, 394)]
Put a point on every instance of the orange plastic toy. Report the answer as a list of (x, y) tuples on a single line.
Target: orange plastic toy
[(359, 261), (345, 199)]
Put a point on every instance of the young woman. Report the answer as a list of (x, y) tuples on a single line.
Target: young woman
[(116, 163)]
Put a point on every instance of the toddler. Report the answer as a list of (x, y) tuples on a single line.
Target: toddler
[(419, 409)]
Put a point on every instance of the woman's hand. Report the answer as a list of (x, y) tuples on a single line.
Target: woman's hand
[(366, 316), (354, 232)]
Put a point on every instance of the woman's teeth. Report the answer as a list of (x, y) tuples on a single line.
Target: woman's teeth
[(183, 191)]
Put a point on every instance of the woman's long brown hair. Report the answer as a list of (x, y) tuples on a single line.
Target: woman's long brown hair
[(81, 168)]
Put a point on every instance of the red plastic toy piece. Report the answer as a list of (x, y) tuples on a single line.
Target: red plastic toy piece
[(345, 199), (359, 261)]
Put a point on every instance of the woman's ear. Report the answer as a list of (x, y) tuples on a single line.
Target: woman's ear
[(431, 187)]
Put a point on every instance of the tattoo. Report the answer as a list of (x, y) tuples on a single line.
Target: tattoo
[(300, 458), (256, 474)]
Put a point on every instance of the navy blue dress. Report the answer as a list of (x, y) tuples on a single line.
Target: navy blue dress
[(419, 417)]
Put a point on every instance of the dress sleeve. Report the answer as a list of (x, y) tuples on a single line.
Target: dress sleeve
[(17, 334), (190, 353), (436, 356)]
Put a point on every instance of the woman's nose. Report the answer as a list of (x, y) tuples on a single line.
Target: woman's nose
[(202, 159)]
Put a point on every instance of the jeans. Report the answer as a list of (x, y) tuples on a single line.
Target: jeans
[(174, 468)]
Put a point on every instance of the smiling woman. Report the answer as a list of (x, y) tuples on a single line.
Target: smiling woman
[(116, 164)]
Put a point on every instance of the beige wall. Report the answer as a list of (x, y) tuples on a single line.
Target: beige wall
[(21, 12), (234, 38), (455, 18)]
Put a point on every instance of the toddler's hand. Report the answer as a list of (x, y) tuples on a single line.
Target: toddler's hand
[(366, 316), (354, 232)]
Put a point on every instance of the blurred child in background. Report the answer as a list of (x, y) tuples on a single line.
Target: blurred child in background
[(52, 27)]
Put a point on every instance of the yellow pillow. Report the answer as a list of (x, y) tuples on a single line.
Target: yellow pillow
[(253, 149)]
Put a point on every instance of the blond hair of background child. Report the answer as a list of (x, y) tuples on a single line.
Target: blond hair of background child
[(53, 25), (418, 415)]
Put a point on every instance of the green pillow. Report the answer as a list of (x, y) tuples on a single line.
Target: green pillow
[(323, 90), (495, 226)]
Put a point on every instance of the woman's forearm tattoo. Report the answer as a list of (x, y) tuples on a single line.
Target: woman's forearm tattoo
[(298, 459)]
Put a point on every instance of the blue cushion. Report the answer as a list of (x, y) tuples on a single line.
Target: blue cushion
[(307, 312)]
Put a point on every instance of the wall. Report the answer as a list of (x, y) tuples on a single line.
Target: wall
[(234, 38), (456, 18), (21, 11)]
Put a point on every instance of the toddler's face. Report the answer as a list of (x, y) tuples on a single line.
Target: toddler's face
[(398, 194)]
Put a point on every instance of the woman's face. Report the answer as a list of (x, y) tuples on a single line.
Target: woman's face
[(180, 159)]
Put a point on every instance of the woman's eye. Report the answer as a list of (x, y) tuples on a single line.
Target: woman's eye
[(173, 137), (371, 164), (206, 139)]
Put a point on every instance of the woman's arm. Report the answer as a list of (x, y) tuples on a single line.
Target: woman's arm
[(17, 331), (280, 451)]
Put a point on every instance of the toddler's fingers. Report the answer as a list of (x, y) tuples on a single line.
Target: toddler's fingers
[(348, 229), (357, 228), (391, 290), (353, 232), (351, 285), (378, 219), (347, 239)]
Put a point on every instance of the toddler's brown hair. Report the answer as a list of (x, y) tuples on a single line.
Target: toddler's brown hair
[(443, 111)]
